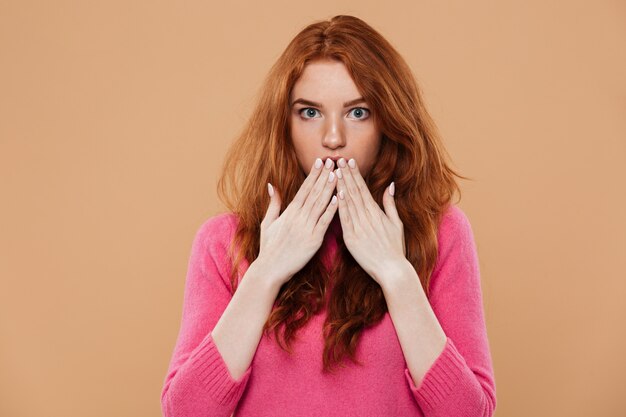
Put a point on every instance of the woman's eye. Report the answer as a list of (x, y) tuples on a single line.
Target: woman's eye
[(309, 112), (359, 112)]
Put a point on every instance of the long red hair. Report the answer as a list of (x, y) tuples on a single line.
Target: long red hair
[(411, 154)]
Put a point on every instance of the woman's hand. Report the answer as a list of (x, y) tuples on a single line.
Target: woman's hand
[(375, 238), (290, 240)]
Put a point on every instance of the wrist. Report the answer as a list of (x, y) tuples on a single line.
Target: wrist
[(396, 273), (267, 273)]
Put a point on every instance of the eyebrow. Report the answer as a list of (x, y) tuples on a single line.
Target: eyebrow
[(312, 103)]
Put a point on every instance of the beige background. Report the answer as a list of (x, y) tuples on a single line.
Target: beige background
[(115, 118)]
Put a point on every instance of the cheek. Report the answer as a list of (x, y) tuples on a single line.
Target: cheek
[(299, 125), (366, 170), (298, 136), (304, 154), (369, 155), (302, 137)]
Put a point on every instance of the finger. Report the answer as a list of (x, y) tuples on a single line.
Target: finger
[(313, 205), (344, 216), (366, 196), (273, 209), (354, 195), (389, 202), (327, 217), (308, 183), (343, 194), (320, 204)]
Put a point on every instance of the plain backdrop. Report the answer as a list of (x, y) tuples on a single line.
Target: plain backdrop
[(114, 121)]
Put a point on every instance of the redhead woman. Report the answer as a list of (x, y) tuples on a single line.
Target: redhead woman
[(343, 280)]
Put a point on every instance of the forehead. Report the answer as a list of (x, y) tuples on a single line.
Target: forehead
[(325, 79)]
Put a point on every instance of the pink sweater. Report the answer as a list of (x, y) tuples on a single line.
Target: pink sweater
[(459, 383)]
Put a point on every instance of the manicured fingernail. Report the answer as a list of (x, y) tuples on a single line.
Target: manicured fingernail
[(331, 176), (341, 195), (318, 163), (270, 189), (339, 174), (392, 188), (334, 200), (352, 163), (342, 162), (329, 163)]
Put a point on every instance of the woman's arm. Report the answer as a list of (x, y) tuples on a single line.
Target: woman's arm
[(239, 329), (207, 375), (421, 337), (449, 368)]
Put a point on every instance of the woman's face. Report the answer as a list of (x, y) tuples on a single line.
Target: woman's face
[(328, 120)]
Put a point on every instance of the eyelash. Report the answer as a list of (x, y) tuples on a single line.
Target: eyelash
[(360, 118)]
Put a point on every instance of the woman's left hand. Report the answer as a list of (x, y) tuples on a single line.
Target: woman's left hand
[(375, 238)]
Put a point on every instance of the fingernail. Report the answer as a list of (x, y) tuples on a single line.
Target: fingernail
[(318, 163), (342, 162), (392, 188), (334, 200), (329, 163), (270, 189), (341, 194), (331, 176), (339, 174), (352, 163)]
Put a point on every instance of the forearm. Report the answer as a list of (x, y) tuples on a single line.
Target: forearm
[(421, 336), (239, 329)]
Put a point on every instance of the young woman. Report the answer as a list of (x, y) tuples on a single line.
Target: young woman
[(345, 289)]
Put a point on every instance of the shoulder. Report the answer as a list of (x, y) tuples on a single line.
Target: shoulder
[(218, 228), (457, 268), (213, 237), (454, 236), (453, 221), (454, 227)]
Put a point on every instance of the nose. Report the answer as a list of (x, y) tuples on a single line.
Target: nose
[(333, 135)]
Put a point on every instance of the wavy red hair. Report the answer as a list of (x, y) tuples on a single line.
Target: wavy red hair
[(411, 154)]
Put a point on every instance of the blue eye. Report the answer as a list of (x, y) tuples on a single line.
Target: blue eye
[(310, 111), (360, 110)]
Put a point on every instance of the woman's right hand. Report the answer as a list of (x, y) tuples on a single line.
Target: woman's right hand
[(289, 240)]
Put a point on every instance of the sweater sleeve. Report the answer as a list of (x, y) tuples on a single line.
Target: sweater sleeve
[(461, 380), (198, 382)]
